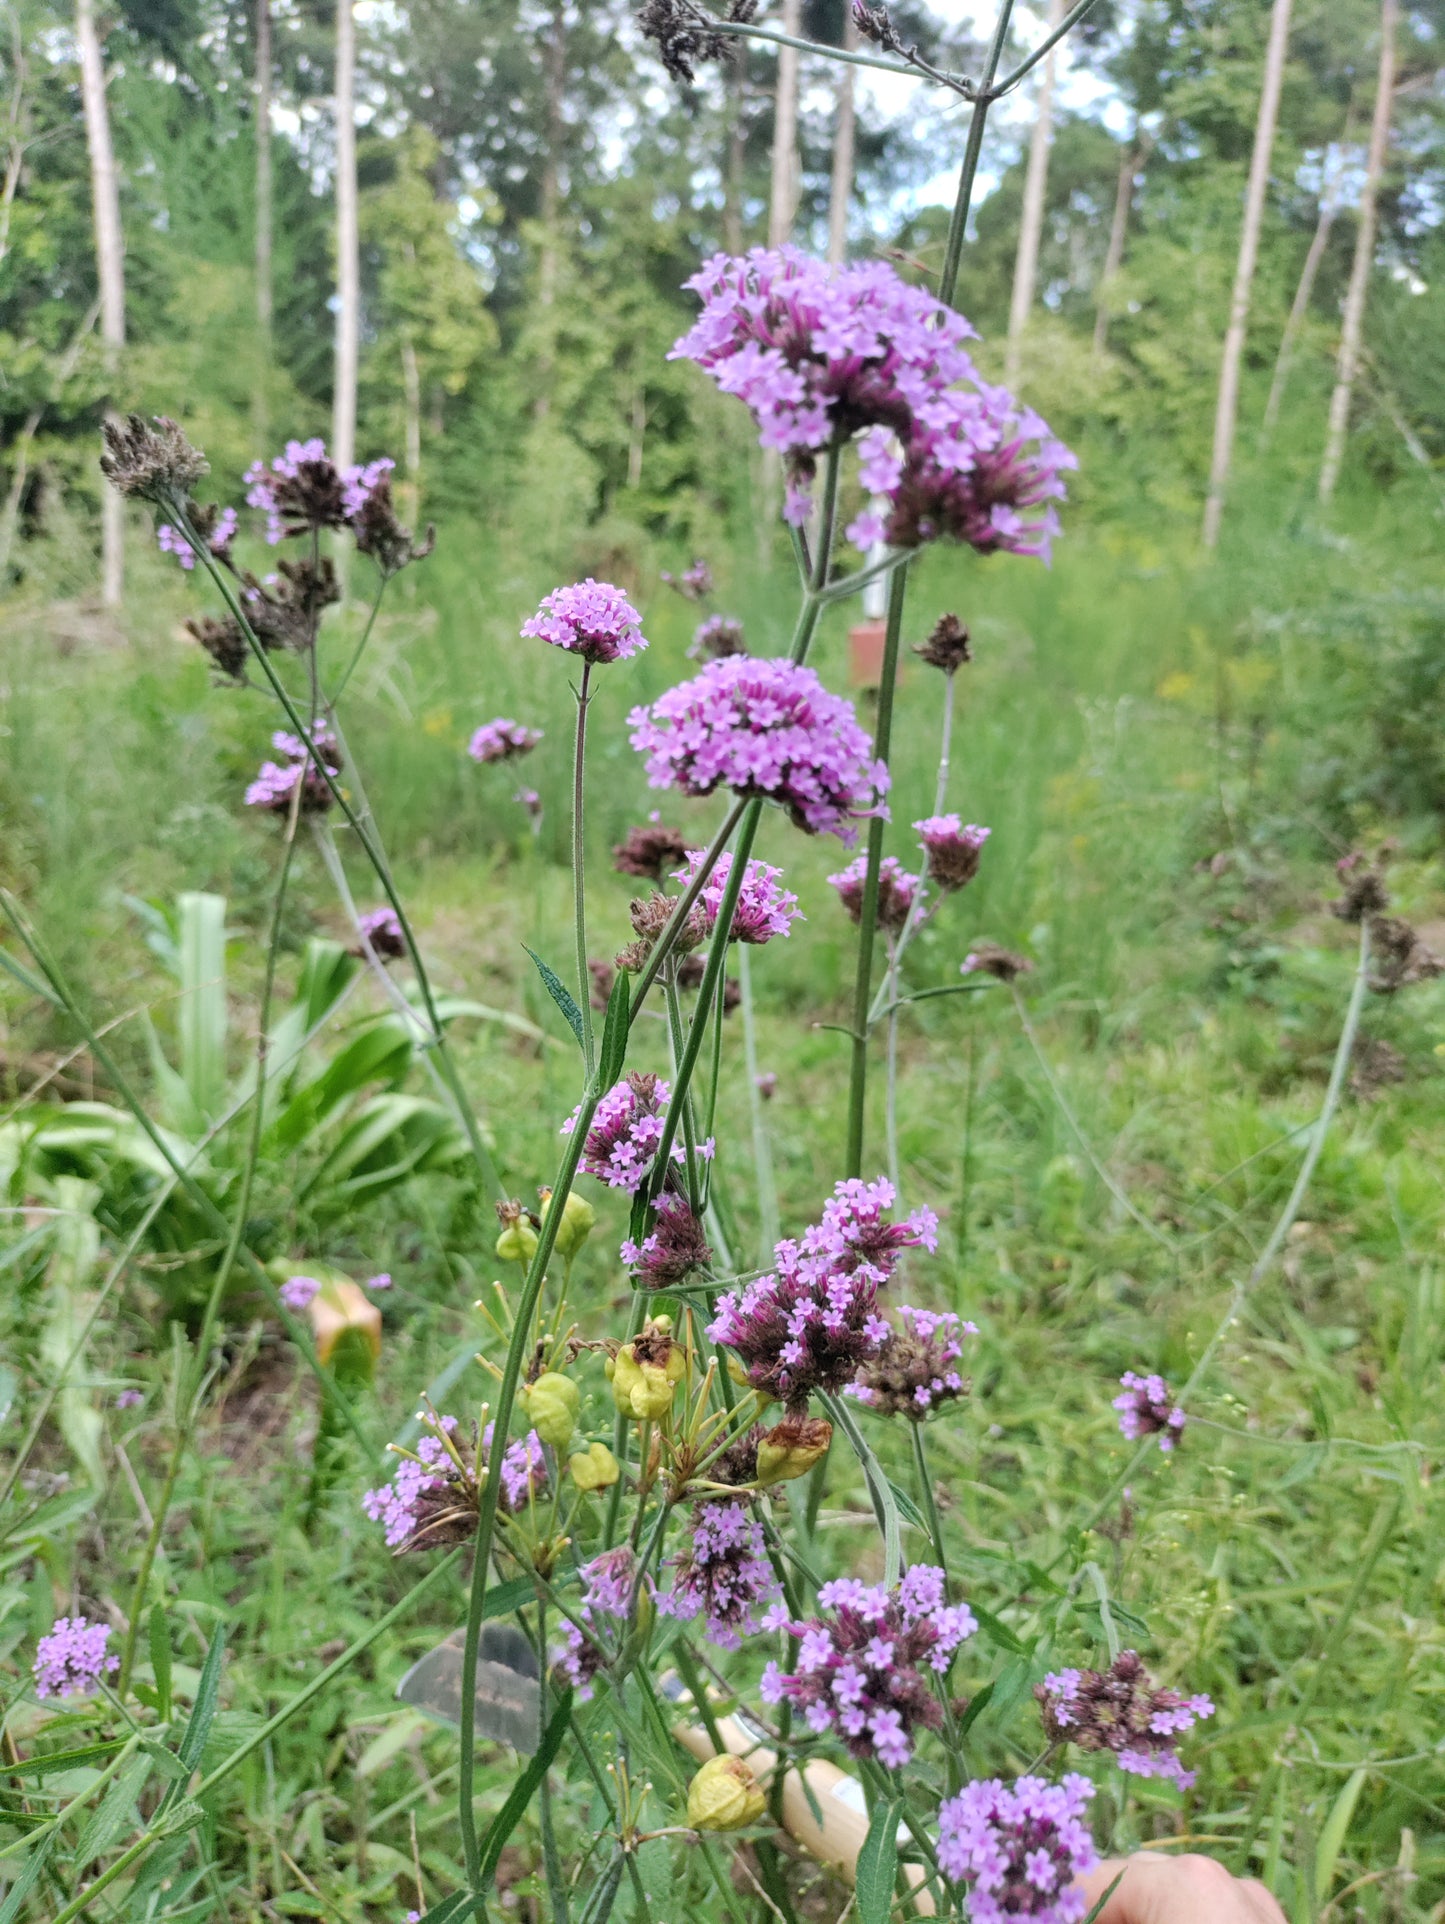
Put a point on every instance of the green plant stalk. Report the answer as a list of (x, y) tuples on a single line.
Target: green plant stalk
[(769, 1228), (579, 859), (925, 1488), (968, 173), (517, 1350), (152, 1834), (81, 1798), (666, 942), (372, 851), (676, 1045), (189, 1405), (360, 649)]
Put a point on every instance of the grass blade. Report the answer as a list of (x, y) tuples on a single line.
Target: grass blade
[(878, 1864), (510, 1815)]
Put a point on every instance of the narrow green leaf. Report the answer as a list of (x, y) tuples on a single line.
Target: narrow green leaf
[(457, 1905), (34, 1865), (878, 1864), (998, 1631), (525, 1788), (114, 1812), (558, 991), (614, 1030), (207, 1691), (1098, 1910), (1332, 1837), (181, 1817), (160, 1635), (977, 1704), (202, 1016), (63, 1759)]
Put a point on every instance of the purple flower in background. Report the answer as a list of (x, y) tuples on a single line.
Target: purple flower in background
[(591, 619), (71, 1659), (530, 802), (171, 541), (719, 635), (360, 484), (985, 471), (381, 930), (129, 1399), (675, 1248), (952, 849), (383, 1281), (763, 909), (914, 1371), (723, 1575), (502, 740), (767, 1084), (861, 1671), (693, 583), (276, 783), (1019, 1848), (1121, 1710), (1147, 1408), (300, 1292), (649, 850), (626, 1132), (300, 491), (433, 1496), (897, 889), (763, 728), (524, 1471)]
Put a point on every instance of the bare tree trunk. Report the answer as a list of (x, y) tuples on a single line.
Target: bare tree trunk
[(17, 126), (845, 139), (348, 244), (783, 200), (1031, 222), (555, 71), (732, 218), (1299, 307), (411, 391), (1130, 168), (1227, 410), (264, 300), (110, 269), (1354, 315)]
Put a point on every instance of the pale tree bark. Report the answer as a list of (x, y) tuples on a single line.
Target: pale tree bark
[(17, 127), (1031, 221), (783, 200), (733, 167), (1304, 293), (554, 69), (348, 244), (1130, 168), (264, 287), (110, 269), (1226, 412), (845, 141), (1354, 315)]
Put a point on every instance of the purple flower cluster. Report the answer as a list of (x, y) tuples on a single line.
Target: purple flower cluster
[(626, 1132), (914, 1372), (502, 740), (861, 1671), (360, 485), (171, 541), (276, 782), (719, 635), (411, 1504), (819, 354), (1121, 1710), (609, 1584), (591, 619), (763, 728), (434, 1494), (303, 490), (675, 1247), (523, 1471), (694, 583), (381, 930), (71, 1659), (299, 1292), (897, 889), (723, 1575), (952, 849), (1019, 1848), (809, 1324), (1147, 1408), (763, 908)]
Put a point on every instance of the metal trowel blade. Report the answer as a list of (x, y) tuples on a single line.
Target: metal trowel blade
[(509, 1694)]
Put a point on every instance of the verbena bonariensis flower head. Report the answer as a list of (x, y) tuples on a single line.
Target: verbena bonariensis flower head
[(675, 1248), (814, 1320), (223, 532), (151, 460), (723, 1575), (693, 583), (915, 1371), (591, 619), (502, 740), (301, 491), (763, 728), (763, 908), (276, 782), (626, 1132), (299, 1292), (381, 930), (609, 1590), (71, 1659), (649, 851), (953, 849), (1019, 1848), (716, 637), (1147, 1408), (1121, 1709), (432, 1498), (818, 353), (523, 1471), (947, 646), (897, 888), (861, 1670)]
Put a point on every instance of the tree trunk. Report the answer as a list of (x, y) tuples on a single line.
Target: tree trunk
[(844, 144), (1130, 168), (734, 166), (1227, 410), (17, 126), (555, 75), (110, 269), (783, 200), (348, 244), (1354, 316), (264, 297), (1299, 307), (1031, 222)]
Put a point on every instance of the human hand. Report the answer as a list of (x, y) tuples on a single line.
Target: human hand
[(1178, 1890)]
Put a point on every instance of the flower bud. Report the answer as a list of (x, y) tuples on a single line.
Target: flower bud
[(578, 1220), (552, 1403), (724, 1795), (792, 1447), (594, 1468)]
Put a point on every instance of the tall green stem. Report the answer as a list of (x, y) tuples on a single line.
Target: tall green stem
[(579, 884), (958, 225)]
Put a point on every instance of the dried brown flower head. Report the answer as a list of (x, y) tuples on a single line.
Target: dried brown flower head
[(987, 958), (225, 642), (651, 851), (947, 647), (1400, 956), (152, 461)]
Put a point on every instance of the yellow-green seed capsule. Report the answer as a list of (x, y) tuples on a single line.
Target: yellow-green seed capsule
[(594, 1468), (724, 1795), (517, 1243), (552, 1403), (578, 1221), (792, 1447)]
